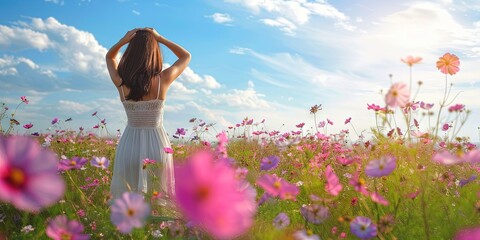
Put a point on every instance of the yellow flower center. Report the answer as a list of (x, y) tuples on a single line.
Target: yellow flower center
[(65, 236), (73, 163), (130, 212), (277, 184), (381, 166), (202, 193), (17, 177), (394, 93)]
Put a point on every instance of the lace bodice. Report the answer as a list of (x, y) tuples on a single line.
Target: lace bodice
[(147, 114)]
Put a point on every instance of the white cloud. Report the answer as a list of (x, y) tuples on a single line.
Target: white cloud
[(136, 12), (15, 38), (221, 18), (180, 88), (59, 2), (239, 50), (247, 99), (288, 15), (71, 106), (189, 76)]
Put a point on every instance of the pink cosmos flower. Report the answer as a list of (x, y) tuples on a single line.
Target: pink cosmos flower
[(322, 124), (28, 174), (24, 99), (61, 228), (456, 108), (380, 167), (102, 162), (219, 203), (411, 60), (446, 158), (276, 186), (426, 106), (445, 127), (358, 184), (28, 126), (468, 234), (74, 163), (129, 211), (168, 150), (376, 197), (180, 132), (398, 95), (374, 107), (472, 157), (329, 121), (333, 183), (448, 64), (55, 120), (300, 125), (348, 120), (305, 235)]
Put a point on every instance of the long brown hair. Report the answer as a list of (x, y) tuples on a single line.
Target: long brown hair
[(141, 62)]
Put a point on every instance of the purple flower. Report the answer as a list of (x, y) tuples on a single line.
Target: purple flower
[(74, 163), (464, 182), (28, 126), (55, 120), (28, 174), (314, 213), (102, 162), (281, 221), (129, 211), (363, 227), (380, 167), (180, 132), (61, 228), (269, 163)]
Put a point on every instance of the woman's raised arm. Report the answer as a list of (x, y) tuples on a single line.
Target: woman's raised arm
[(171, 73), (111, 56)]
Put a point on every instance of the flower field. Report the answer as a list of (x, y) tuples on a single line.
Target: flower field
[(413, 178)]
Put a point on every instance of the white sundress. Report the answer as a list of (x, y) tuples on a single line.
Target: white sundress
[(143, 137)]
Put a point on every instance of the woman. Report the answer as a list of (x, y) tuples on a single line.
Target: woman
[(142, 85)]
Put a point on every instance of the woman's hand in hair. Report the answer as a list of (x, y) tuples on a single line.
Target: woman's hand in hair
[(158, 37), (128, 36)]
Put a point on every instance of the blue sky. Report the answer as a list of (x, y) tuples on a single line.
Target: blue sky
[(262, 59)]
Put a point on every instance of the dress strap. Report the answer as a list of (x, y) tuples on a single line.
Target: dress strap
[(123, 93), (158, 86)]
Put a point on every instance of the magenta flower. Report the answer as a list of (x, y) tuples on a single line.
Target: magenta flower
[(180, 132), (281, 221), (55, 120), (363, 227), (300, 125), (28, 126), (398, 95), (28, 174), (219, 203), (276, 186), (456, 108), (468, 234), (381, 167), (269, 163), (74, 163), (322, 124), (347, 121), (329, 121), (61, 228), (168, 150), (445, 127), (24, 99), (358, 184), (94, 114), (102, 162), (374, 107), (333, 183), (129, 211)]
